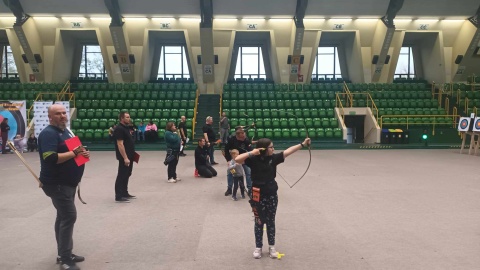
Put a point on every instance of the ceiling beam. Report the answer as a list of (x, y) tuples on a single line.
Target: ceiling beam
[(114, 10), (393, 8), (17, 10), (475, 19), (300, 12), (206, 12)]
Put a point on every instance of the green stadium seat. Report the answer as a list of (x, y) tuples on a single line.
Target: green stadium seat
[(277, 133), (337, 133), (98, 113), (328, 133), (285, 133)]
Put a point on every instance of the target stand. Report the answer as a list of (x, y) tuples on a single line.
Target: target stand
[(470, 126)]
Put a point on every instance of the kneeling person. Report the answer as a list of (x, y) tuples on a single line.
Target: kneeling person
[(203, 167)]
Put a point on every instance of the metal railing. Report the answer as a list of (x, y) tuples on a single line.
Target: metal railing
[(194, 119)]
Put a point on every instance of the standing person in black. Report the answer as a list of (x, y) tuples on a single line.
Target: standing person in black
[(210, 138), (60, 176), (203, 167), (4, 128), (125, 152), (182, 127), (263, 163)]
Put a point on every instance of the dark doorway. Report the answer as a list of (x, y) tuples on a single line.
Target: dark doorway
[(356, 123)]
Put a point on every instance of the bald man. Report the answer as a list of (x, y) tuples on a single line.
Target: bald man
[(60, 176)]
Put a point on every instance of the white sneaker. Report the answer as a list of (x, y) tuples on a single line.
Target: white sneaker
[(178, 179), (171, 180), (257, 253), (273, 252)]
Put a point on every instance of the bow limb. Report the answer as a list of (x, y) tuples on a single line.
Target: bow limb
[(80, 196), (309, 153)]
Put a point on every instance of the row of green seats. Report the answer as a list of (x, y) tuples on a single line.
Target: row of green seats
[(297, 133), (140, 113), (406, 111), (101, 135), (286, 122), (406, 103), (106, 123), (282, 87), (137, 86), (470, 103), (417, 120), (271, 95), (400, 95), (470, 94), (123, 95), (273, 113), (41, 87), (386, 86), (135, 104), (278, 104)]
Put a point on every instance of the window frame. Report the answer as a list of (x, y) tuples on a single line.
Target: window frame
[(86, 74), (184, 66), (336, 64), (410, 64), (260, 60)]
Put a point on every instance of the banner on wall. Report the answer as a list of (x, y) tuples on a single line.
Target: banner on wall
[(40, 110), (16, 113)]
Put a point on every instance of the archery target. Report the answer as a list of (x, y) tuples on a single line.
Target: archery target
[(464, 124), (15, 112), (476, 124)]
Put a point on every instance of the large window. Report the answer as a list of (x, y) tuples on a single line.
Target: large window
[(326, 64), (173, 63), (9, 68), (250, 63), (92, 66), (405, 66)]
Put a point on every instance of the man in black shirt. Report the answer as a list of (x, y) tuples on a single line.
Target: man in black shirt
[(4, 128), (210, 138), (203, 167), (182, 127), (60, 176), (240, 142), (125, 152)]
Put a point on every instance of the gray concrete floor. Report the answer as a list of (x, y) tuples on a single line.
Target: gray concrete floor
[(355, 209)]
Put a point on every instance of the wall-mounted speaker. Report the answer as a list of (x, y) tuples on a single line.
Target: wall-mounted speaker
[(199, 59), (115, 59), (289, 59), (375, 59), (131, 57), (476, 124), (24, 57), (387, 59), (464, 124), (38, 58), (459, 59)]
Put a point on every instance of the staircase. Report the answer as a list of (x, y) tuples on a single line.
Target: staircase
[(208, 105)]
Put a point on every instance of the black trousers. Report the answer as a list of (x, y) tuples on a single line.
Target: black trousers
[(31, 146), (123, 175), (4, 141), (172, 167), (268, 204), (206, 171), (63, 198)]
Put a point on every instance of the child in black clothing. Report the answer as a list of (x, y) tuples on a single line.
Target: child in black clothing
[(32, 143)]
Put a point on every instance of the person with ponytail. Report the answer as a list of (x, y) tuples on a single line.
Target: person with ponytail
[(264, 199)]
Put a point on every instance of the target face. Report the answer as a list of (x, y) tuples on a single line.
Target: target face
[(464, 124), (476, 126)]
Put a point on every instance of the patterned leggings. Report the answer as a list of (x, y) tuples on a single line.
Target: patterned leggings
[(268, 204)]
